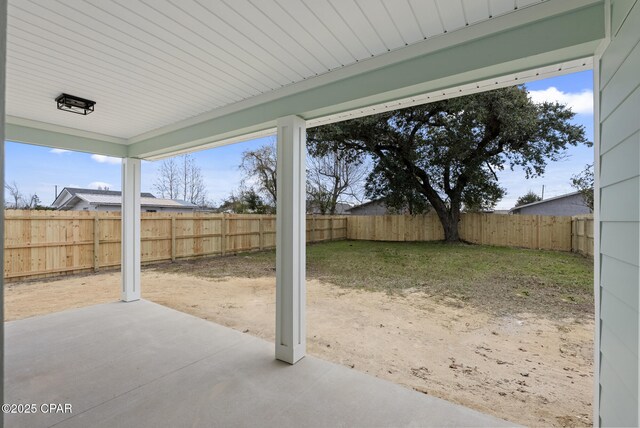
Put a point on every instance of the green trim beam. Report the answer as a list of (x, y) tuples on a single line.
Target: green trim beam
[(61, 140)]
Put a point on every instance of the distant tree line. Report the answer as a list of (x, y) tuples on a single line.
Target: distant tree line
[(331, 178), (181, 178), (18, 201)]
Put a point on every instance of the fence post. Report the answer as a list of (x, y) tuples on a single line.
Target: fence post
[(574, 230), (261, 236), (173, 238), (538, 230), (313, 228), (96, 243), (331, 229), (223, 235)]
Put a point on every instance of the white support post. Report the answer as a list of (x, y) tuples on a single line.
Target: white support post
[(290, 240), (3, 57), (130, 229)]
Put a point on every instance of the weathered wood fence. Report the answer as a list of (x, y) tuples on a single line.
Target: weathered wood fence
[(527, 231), (48, 243)]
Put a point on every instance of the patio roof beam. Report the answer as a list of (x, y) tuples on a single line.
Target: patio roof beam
[(474, 53), (59, 137)]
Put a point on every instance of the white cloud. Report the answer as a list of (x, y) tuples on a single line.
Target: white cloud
[(106, 159), (58, 151), (579, 102), (100, 184)]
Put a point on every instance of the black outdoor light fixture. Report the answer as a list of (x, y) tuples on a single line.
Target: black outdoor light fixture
[(76, 105)]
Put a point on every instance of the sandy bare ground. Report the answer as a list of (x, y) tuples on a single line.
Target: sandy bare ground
[(526, 369)]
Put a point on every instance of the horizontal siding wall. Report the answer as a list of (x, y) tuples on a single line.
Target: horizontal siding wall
[(620, 218)]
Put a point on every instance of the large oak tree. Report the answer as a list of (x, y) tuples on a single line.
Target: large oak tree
[(447, 153)]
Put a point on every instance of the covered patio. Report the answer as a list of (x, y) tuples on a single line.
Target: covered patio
[(169, 78), (145, 365)]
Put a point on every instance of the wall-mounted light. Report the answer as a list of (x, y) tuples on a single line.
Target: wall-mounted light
[(76, 105)]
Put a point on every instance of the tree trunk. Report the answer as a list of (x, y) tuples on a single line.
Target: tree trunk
[(451, 231), (449, 220)]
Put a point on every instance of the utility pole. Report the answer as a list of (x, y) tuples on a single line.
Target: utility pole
[(542, 192)]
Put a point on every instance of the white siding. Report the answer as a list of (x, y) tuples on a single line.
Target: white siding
[(85, 206), (620, 218)]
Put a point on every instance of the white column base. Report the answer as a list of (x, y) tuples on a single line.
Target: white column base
[(130, 230), (291, 240)]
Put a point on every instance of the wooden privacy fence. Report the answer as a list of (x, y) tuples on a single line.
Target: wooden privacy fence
[(582, 234), (527, 231), (47, 243)]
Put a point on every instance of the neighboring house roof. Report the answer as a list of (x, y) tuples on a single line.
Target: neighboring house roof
[(544, 201), (114, 198), (72, 191), (341, 208), (144, 200), (375, 201)]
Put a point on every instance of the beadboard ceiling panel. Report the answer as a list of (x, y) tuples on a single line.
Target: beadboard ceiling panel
[(153, 63)]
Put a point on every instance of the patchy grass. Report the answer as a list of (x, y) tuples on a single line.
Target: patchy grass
[(498, 279)]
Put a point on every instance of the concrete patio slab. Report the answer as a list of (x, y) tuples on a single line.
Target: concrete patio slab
[(144, 365)]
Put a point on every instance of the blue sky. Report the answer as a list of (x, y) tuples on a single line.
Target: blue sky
[(39, 169)]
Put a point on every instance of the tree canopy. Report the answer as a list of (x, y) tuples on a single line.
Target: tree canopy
[(584, 182), (446, 154), (246, 201), (528, 198)]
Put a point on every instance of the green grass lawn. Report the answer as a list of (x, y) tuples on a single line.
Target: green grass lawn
[(498, 279)]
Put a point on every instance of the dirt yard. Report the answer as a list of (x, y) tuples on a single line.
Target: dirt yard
[(529, 369)]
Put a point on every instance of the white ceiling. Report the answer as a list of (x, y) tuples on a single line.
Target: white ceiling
[(151, 63)]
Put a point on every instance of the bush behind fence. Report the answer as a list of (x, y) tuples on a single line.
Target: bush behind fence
[(49, 243)]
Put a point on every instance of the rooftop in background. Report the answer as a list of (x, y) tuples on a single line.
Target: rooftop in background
[(567, 204), (75, 190), (71, 198)]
